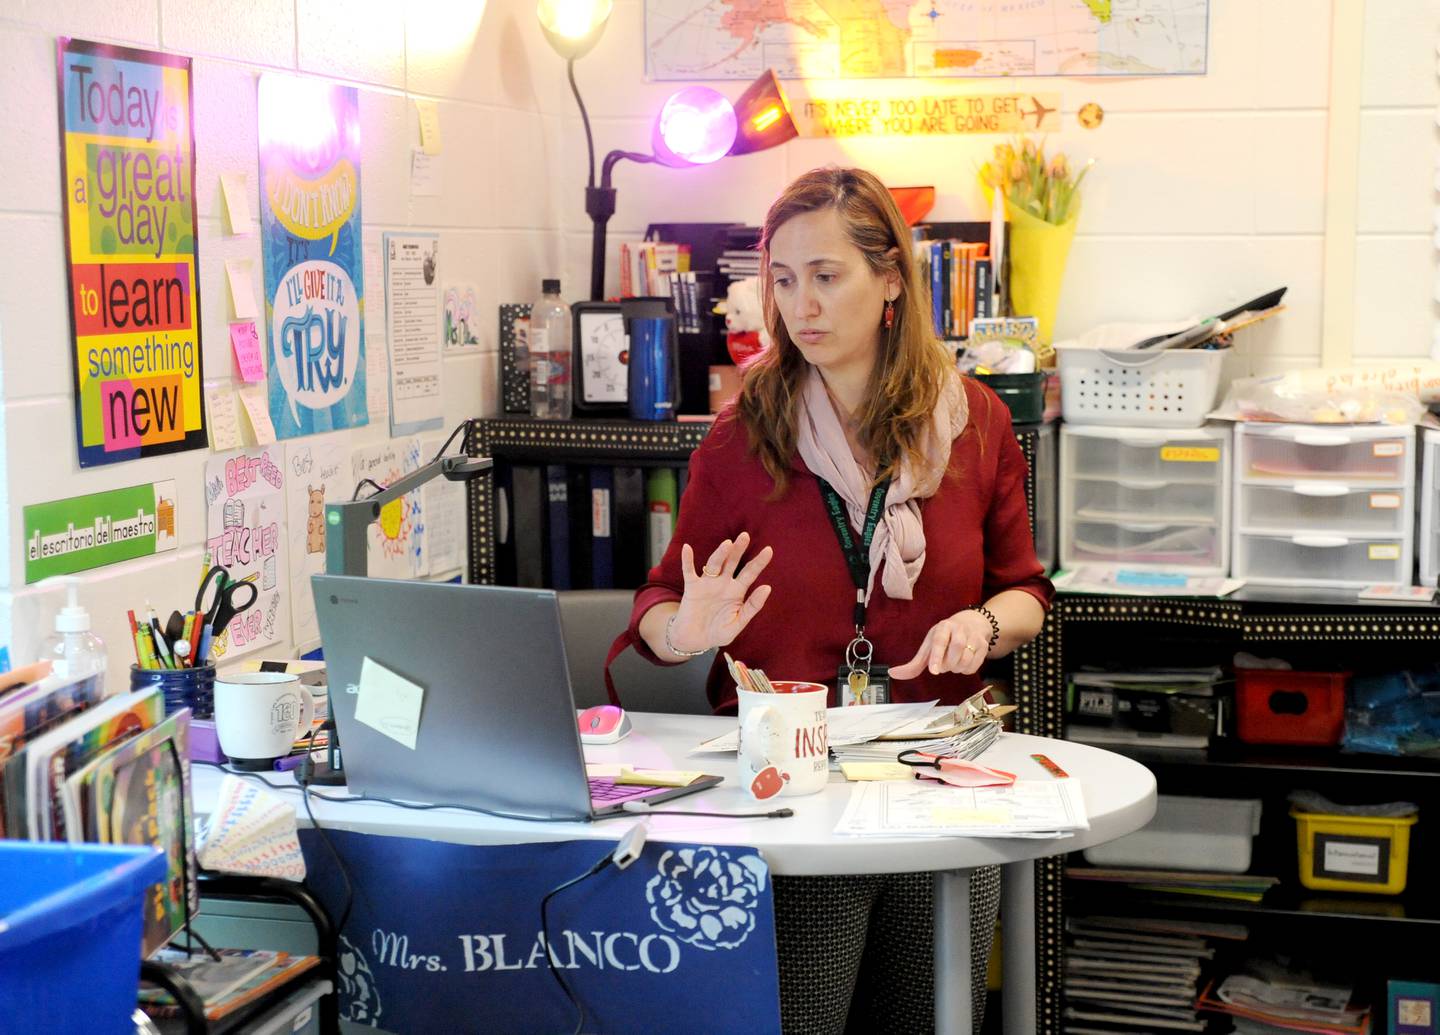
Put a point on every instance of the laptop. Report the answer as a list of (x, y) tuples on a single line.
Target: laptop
[(497, 726)]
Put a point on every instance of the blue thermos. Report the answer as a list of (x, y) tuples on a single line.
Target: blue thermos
[(654, 376)]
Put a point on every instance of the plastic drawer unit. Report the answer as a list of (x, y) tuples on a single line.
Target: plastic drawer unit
[(1188, 834), (1429, 505), (1324, 505), (1046, 477), (1145, 498)]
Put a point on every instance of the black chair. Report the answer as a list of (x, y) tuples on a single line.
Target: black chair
[(592, 618)]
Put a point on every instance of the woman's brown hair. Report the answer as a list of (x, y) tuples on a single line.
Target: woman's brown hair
[(911, 366)]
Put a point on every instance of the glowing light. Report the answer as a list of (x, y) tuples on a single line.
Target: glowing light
[(696, 126), (766, 118), (572, 27)]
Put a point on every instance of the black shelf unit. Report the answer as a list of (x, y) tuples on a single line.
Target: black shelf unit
[(510, 440), (1319, 629)]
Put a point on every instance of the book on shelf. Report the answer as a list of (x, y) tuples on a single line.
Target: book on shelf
[(29, 711), (281, 969), (557, 527), (602, 547), (210, 979), (630, 522), (662, 500)]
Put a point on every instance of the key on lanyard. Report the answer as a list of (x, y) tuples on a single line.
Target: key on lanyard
[(857, 656)]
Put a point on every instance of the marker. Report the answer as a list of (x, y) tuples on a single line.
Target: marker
[(1050, 767)]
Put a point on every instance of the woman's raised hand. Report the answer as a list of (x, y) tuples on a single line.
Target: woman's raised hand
[(715, 606)]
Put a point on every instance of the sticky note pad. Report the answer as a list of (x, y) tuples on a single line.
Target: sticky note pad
[(242, 288), (876, 771), (429, 113), (237, 201), (657, 777), (258, 410), (389, 703), (245, 340), (223, 419)]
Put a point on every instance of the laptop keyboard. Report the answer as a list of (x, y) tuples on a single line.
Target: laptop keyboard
[(604, 790)]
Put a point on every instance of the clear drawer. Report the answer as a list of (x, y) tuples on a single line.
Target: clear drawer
[(1153, 544), (1324, 506), (1106, 499), (1286, 452), (1322, 559), (1146, 458)]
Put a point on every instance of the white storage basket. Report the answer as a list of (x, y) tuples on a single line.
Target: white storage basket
[(1188, 834), (1174, 388)]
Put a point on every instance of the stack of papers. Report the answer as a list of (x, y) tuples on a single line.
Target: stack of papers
[(856, 724), (253, 832), (968, 744), (1026, 808)]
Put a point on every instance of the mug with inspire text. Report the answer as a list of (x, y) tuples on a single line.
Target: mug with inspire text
[(784, 739), (259, 715)]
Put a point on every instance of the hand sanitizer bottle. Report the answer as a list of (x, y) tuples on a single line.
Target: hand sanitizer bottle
[(73, 649)]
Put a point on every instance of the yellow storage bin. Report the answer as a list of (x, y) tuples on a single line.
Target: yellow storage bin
[(1353, 853)]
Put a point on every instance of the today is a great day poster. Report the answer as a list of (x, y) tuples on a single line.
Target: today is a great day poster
[(310, 235), (128, 171)]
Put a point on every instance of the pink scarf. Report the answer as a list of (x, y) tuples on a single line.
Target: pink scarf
[(900, 536)]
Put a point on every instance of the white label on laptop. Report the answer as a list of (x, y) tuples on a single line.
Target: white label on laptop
[(389, 703)]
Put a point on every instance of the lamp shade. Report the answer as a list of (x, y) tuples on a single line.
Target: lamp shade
[(572, 27), (762, 116), (696, 126)]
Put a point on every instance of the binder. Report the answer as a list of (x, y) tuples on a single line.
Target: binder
[(630, 528), (502, 520), (581, 537), (557, 496), (661, 501), (602, 541), (530, 514)]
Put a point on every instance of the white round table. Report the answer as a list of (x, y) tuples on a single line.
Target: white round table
[(1119, 798)]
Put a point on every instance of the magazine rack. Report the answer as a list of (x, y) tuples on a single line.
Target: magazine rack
[(318, 982)]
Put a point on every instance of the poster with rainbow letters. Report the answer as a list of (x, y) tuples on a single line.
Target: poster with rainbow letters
[(127, 159)]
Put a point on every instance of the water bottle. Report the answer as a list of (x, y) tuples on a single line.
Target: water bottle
[(73, 649), (653, 380), (550, 349)]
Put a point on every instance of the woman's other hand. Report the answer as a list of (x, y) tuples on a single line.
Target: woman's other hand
[(958, 644), (715, 607)]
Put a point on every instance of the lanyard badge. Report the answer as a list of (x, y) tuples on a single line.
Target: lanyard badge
[(859, 680)]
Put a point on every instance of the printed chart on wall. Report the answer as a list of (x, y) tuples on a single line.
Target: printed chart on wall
[(413, 330), (738, 39), (128, 172), (397, 548), (317, 472), (310, 235), (444, 506), (244, 523)]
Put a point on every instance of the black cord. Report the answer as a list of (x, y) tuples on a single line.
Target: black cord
[(584, 120), (364, 482), (464, 425), (772, 814), (600, 864)]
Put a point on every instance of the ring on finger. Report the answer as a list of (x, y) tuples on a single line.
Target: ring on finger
[(709, 572), (969, 649)]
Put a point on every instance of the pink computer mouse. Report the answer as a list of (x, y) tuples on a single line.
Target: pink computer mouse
[(603, 724)]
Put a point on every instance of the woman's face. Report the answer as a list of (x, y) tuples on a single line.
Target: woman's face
[(828, 296)]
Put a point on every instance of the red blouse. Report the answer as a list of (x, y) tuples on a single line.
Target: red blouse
[(978, 543)]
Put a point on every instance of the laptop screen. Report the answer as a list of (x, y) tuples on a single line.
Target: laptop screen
[(497, 719)]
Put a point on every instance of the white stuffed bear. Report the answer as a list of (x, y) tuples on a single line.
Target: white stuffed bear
[(744, 319)]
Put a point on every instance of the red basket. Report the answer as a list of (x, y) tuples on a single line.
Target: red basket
[(1279, 707)]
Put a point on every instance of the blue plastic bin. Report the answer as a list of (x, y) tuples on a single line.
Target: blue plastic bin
[(70, 926)]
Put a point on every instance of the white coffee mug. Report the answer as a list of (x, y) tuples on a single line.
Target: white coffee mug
[(259, 715), (784, 739)]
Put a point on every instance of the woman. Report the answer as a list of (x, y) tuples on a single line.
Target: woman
[(854, 408)]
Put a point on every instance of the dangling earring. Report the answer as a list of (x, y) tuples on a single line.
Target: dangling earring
[(889, 314)]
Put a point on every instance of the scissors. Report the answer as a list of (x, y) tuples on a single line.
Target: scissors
[(223, 606)]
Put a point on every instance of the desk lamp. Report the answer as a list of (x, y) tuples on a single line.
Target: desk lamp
[(346, 542), (695, 126)]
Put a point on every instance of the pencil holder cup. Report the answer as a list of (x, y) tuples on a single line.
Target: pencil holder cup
[(192, 688)]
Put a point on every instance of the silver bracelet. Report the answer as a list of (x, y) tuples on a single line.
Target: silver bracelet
[(670, 646)]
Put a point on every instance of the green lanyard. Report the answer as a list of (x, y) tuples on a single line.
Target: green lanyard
[(857, 555)]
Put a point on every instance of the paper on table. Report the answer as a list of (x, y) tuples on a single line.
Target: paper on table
[(242, 288), (853, 725), (389, 702), (245, 340), (1026, 808), (258, 410), (237, 201), (224, 418)]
